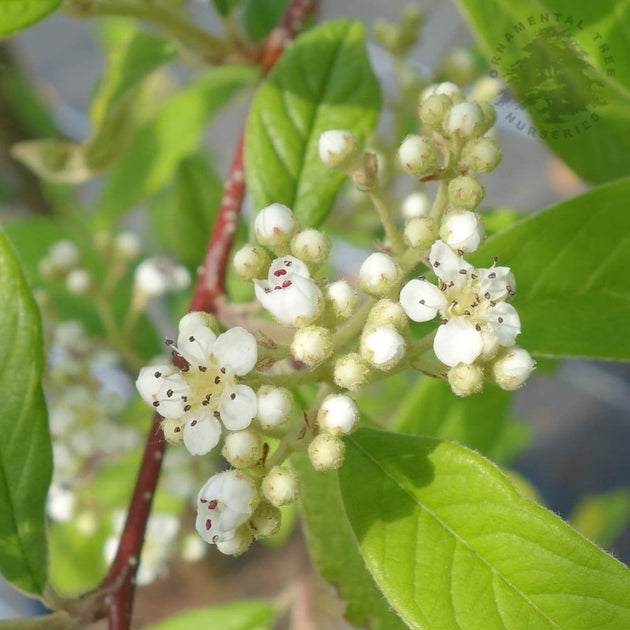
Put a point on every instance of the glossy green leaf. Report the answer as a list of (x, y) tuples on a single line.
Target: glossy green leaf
[(163, 141), (334, 549), (477, 421), (452, 544), (241, 615), (18, 14), (25, 451), (260, 16), (323, 81), (572, 285), (567, 62), (183, 218)]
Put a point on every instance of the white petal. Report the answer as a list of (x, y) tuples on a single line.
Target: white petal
[(421, 300), (446, 264), (236, 349), (238, 407), (504, 323), (462, 230), (457, 341), (299, 298), (383, 347), (201, 434), (282, 267), (496, 283), (151, 379), (195, 344), (162, 387)]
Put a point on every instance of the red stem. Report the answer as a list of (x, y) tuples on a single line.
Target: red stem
[(118, 586)]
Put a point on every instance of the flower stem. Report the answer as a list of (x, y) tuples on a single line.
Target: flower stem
[(391, 229)]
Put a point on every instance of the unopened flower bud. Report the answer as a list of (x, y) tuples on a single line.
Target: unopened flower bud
[(339, 150), (481, 155), (383, 347), (512, 368), (458, 66), (156, 276), (462, 231), (417, 204), (275, 225), (380, 275), (326, 452), (388, 313), (465, 192), (78, 281), (173, 431), (350, 372), (490, 344), (485, 89), (465, 379), (312, 345), (127, 246), (338, 415), (420, 232), (280, 486), (448, 88), (274, 406), (63, 255), (311, 246), (489, 115), (341, 299), (242, 449), (265, 521), (194, 319), (433, 109), (418, 155), (251, 262), (238, 544), (464, 120)]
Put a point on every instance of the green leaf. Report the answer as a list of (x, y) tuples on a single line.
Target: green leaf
[(163, 141), (477, 421), (241, 615), (25, 450), (570, 71), (323, 81), (183, 218), (260, 16), (334, 549), (572, 285), (18, 14), (452, 544)]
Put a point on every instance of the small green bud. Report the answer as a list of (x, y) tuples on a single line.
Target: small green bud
[(489, 115), (380, 275), (481, 155), (312, 345), (251, 262), (242, 449), (339, 150), (265, 521), (420, 232), (433, 109), (350, 372), (388, 313), (465, 192), (418, 155), (280, 486), (465, 379), (458, 66), (238, 544), (464, 120), (512, 368), (312, 247), (326, 452)]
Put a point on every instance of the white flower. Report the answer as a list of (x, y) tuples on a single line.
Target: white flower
[(470, 301), (204, 392), (156, 276), (289, 294), (226, 501), (462, 231)]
